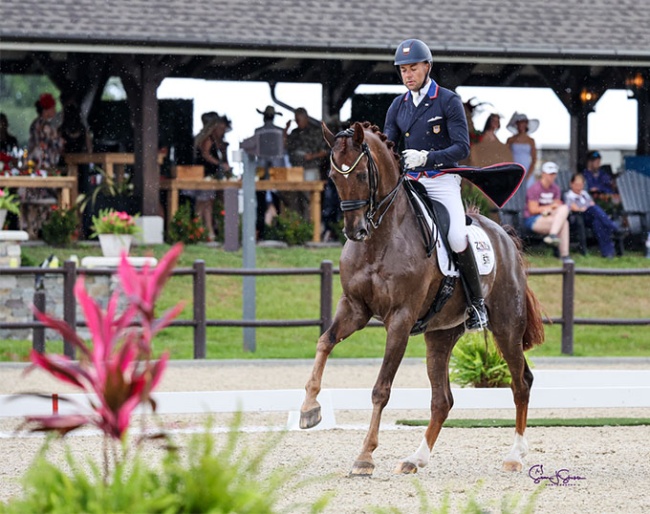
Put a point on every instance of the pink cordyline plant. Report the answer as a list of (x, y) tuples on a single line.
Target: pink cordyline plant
[(117, 367)]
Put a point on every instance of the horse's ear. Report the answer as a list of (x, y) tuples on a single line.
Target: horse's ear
[(357, 138), (327, 135)]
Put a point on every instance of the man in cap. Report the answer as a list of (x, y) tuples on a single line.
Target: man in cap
[(431, 123), (601, 185)]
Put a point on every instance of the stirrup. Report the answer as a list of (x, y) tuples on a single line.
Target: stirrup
[(477, 318)]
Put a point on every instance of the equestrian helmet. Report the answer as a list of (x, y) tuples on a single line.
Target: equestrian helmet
[(412, 51)]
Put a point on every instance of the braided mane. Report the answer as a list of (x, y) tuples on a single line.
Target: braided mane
[(343, 135)]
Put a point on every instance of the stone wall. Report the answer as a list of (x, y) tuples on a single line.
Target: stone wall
[(17, 298)]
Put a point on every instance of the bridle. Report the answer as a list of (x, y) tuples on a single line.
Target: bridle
[(373, 182)]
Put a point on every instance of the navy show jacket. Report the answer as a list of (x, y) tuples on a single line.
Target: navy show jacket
[(438, 124)]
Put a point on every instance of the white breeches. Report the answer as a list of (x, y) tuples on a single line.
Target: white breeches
[(446, 190)]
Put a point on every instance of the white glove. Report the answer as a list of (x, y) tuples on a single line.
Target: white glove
[(414, 158)]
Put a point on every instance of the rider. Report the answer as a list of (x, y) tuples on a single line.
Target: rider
[(432, 121)]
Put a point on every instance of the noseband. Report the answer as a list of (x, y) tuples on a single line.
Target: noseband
[(373, 182)]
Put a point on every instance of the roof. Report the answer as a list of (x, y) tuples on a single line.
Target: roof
[(597, 30)]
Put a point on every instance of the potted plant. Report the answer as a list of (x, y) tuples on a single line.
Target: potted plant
[(115, 231), (8, 203), (60, 226)]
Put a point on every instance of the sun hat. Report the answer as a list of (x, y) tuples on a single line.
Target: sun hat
[(533, 124), (550, 168), (269, 112)]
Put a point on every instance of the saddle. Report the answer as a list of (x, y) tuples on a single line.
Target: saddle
[(434, 211)]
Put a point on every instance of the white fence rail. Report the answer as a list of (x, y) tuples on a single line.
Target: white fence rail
[(552, 389)]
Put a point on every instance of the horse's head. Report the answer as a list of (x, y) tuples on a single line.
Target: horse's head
[(356, 174)]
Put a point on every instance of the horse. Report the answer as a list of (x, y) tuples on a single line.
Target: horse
[(385, 273)]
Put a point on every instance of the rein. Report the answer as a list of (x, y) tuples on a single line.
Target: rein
[(373, 182)]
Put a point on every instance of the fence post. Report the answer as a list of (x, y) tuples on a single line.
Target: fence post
[(199, 283), (69, 303), (326, 274), (568, 297), (38, 335)]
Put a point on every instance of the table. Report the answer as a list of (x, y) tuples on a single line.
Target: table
[(314, 187), (66, 186), (112, 163)]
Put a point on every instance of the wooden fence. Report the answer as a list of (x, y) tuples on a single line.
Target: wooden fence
[(326, 271)]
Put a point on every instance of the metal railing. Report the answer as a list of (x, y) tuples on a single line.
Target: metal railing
[(199, 322)]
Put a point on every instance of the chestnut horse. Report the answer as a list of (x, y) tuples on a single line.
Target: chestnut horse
[(386, 274)]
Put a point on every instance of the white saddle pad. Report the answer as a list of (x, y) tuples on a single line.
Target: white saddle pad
[(483, 253)]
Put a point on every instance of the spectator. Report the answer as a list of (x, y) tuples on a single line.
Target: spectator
[(45, 144), (522, 145), (545, 213), (211, 150), (73, 130), (601, 185), (44, 149), (578, 200), (269, 141), (306, 148), (7, 141), (492, 124)]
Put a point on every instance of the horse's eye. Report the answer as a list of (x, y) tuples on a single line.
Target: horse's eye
[(362, 177)]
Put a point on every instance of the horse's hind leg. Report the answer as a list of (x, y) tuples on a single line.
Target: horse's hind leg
[(348, 319), (522, 381), (439, 346)]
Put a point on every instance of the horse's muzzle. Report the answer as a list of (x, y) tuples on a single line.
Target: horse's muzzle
[(358, 234)]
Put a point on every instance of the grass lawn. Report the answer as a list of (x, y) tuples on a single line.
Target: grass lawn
[(285, 297)]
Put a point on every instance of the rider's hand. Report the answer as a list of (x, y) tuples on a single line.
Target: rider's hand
[(414, 158)]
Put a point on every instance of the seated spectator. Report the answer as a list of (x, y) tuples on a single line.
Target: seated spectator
[(545, 213), (578, 200), (601, 185)]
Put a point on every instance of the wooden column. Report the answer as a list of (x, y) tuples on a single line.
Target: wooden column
[(141, 77)]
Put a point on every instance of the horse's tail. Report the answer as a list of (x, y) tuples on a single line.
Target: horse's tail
[(534, 334)]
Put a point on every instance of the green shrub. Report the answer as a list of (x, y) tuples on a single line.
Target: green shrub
[(205, 478), (291, 228), (186, 227), (476, 361), (60, 226)]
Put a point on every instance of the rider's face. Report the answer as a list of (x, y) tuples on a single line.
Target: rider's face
[(414, 75)]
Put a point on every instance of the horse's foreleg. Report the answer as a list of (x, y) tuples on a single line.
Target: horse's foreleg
[(396, 342), (439, 346), (347, 320)]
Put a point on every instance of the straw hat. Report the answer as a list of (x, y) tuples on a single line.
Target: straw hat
[(533, 124)]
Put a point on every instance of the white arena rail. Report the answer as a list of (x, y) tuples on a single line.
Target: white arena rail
[(552, 389)]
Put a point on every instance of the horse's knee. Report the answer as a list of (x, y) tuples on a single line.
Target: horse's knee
[(380, 396)]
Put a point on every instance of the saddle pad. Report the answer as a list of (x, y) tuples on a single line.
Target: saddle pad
[(483, 253)]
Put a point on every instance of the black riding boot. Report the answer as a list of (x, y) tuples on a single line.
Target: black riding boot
[(477, 315)]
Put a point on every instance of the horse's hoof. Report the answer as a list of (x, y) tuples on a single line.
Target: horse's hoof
[(512, 465), (362, 469), (405, 468), (311, 418)]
